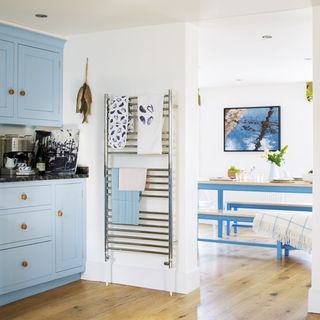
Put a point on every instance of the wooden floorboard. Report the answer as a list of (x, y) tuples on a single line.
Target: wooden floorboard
[(237, 283)]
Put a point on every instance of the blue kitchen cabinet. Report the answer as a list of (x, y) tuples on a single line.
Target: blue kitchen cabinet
[(30, 78), (69, 226), (7, 79), (38, 85), (42, 236)]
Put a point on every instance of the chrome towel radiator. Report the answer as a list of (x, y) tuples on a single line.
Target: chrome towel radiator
[(154, 234)]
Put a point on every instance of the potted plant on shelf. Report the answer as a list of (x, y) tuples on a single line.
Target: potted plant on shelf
[(232, 171), (275, 158)]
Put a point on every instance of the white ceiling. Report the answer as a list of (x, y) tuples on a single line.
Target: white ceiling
[(67, 17), (232, 48), (230, 44)]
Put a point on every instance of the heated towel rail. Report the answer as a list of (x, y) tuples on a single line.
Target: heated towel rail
[(154, 233)]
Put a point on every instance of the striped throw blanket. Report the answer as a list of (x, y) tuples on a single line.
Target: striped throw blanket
[(290, 228)]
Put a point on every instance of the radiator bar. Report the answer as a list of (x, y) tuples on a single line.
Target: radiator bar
[(149, 212), (148, 219), (138, 238), (141, 251), (138, 244), (138, 231), (147, 196)]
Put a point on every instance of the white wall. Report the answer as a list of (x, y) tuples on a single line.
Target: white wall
[(296, 130), (314, 292), (135, 61)]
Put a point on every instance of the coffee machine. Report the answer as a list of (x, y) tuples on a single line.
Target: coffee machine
[(16, 148)]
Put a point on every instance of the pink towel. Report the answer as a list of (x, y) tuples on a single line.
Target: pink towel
[(132, 179)]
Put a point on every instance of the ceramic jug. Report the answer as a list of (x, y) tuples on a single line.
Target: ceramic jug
[(10, 163)]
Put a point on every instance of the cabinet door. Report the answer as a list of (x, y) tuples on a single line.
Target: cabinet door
[(38, 85), (6, 79), (69, 226)]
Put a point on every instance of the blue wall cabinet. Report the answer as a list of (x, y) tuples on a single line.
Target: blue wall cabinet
[(42, 242), (69, 226), (6, 79), (30, 77), (38, 84)]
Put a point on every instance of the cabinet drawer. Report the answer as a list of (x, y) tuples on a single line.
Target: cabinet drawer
[(25, 263), (25, 226), (25, 196)]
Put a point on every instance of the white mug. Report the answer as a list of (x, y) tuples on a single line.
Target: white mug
[(10, 163)]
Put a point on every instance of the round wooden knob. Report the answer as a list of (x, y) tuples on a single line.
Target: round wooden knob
[(24, 196), (24, 264), (60, 213), (22, 93), (11, 92), (24, 226)]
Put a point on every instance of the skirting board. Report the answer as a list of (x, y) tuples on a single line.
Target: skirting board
[(314, 300), (158, 279), (187, 282), (151, 278), (96, 271)]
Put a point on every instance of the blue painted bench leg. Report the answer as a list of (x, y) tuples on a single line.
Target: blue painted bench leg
[(220, 207), (228, 228), (235, 228), (279, 250), (228, 222), (286, 251), (220, 228)]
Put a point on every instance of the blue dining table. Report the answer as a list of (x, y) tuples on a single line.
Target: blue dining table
[(221, 186)]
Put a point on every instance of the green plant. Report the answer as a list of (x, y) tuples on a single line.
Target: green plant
[(232, 171), (309, 91), (276, 157)]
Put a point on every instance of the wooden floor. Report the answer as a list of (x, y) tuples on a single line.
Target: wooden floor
[(237, 283)]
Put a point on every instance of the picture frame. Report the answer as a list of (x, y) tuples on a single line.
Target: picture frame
[(63, 147), (252, 129)]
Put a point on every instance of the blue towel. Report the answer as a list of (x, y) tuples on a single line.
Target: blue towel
[(125, 204)]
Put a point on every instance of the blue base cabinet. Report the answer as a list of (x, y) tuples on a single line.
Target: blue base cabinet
[(30, 77), (69, 226), (42, 236)]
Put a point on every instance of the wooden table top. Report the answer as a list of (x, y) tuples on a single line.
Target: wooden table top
[(255, 183)]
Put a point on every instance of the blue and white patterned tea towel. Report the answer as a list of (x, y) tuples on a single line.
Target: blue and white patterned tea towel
[(118, 122), (294, 229), (150, 123)]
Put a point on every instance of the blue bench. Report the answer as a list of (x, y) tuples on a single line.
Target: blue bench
[(235, 205), (228, 216)]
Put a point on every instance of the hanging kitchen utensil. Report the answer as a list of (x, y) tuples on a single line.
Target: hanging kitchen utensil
[(84, 98)]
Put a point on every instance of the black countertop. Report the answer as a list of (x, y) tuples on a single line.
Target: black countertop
[(43, 178)]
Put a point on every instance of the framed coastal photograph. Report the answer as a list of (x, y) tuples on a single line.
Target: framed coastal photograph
[(252, 129)]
